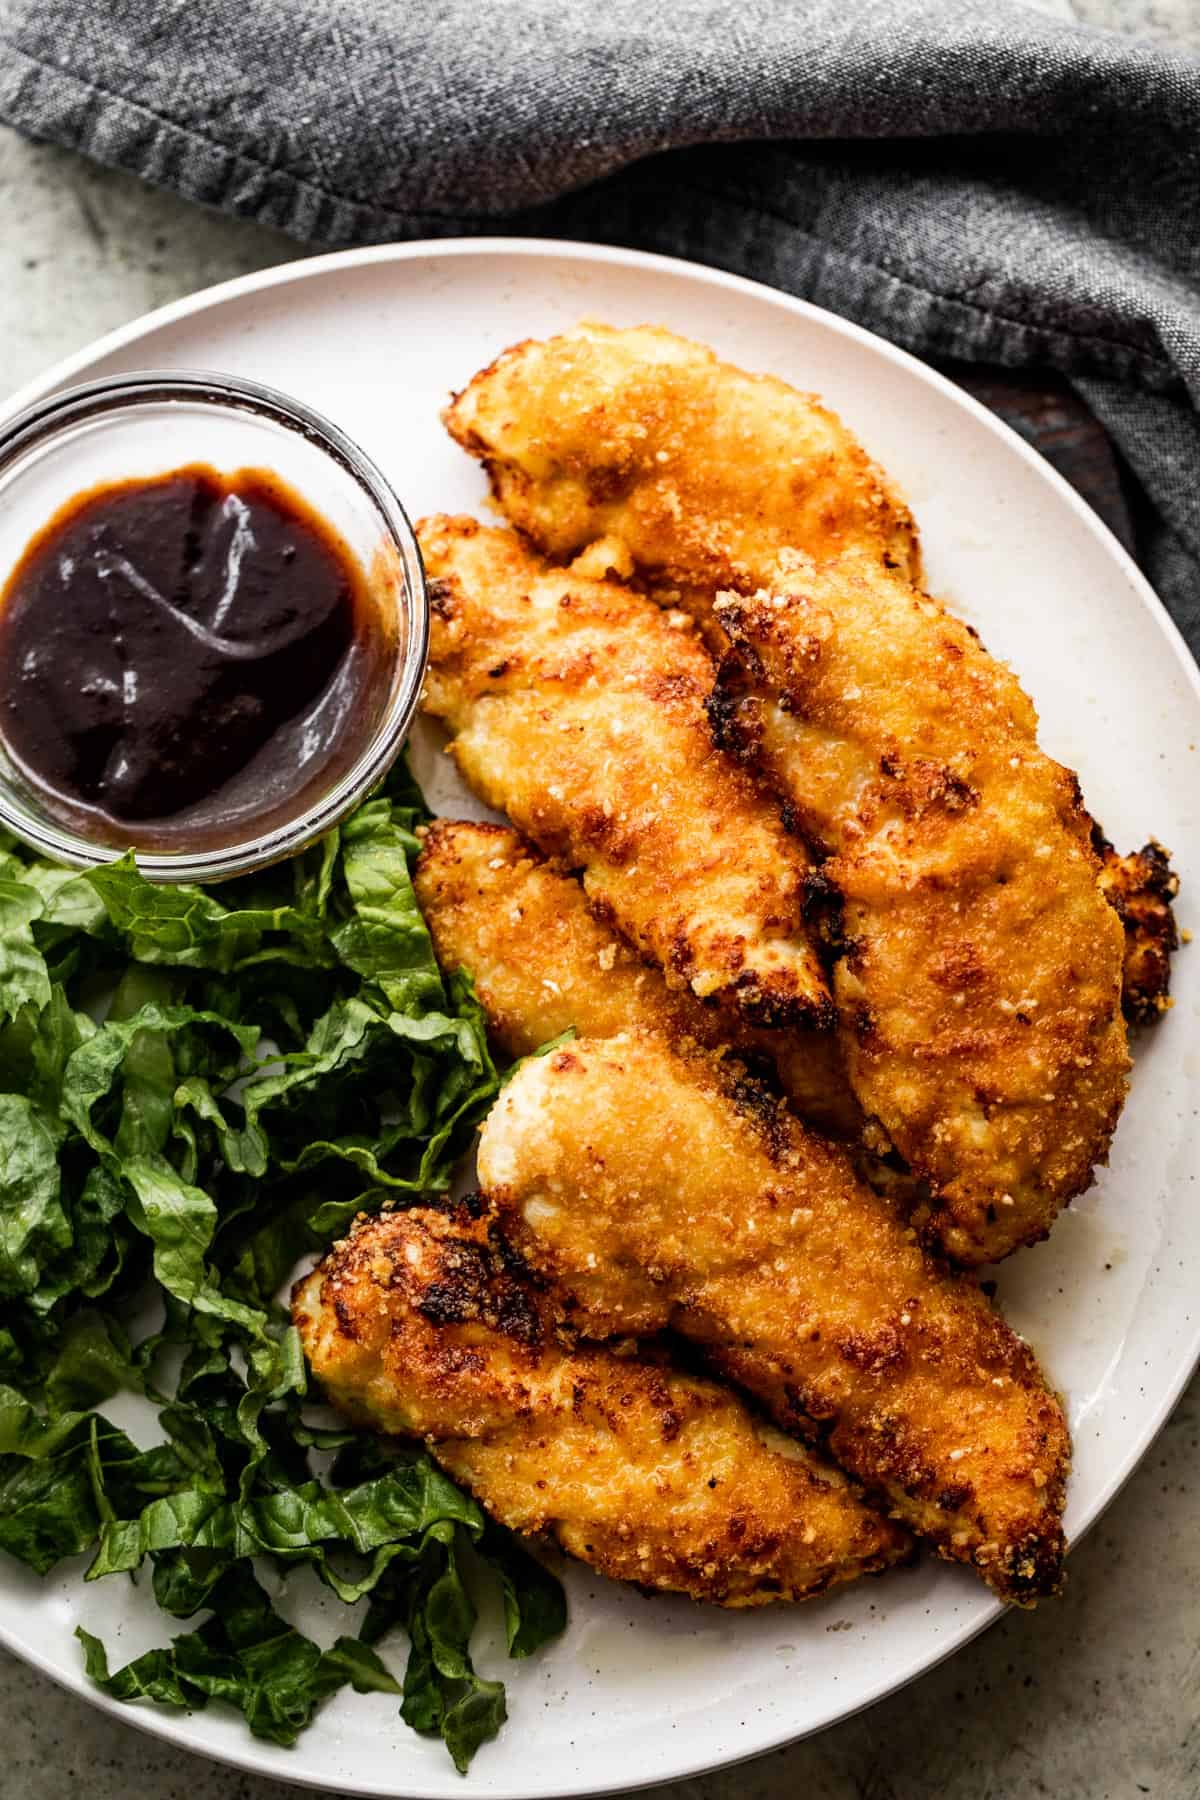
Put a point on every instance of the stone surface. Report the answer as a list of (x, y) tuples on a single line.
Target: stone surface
[(1168, 22), (1094, 1698), (86, 249)]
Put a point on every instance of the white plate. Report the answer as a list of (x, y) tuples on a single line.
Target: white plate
[(641, 1691)]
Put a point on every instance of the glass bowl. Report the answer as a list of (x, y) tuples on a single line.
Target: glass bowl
[(149, 423)]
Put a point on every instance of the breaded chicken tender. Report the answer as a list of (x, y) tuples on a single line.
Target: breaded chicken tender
[(543, 965), (578, 708), (979, 995), (1142, 887), (423, 1324), (663, 1193), (700, 470)]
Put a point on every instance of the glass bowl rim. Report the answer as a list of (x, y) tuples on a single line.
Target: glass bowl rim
[(40, 422)]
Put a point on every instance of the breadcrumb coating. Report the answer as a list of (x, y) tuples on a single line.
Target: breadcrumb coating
[(1142, 887), (663, 1192), (423, 1324), (979, 989), (578, 708), (542, 965), (700, 470)]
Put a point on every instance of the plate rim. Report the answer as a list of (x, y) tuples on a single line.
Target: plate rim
[(247, 1757)]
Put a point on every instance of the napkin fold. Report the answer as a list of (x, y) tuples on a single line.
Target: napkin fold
[(966, 177)]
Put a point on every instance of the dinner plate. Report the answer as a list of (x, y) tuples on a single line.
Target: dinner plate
[(641, 1690)]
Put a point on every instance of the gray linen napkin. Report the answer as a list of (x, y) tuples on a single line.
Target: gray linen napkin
[(966, 177)]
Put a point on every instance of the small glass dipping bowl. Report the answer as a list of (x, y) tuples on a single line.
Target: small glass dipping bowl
[(148, 424)]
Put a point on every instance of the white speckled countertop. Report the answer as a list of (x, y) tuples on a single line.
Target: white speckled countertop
[(1094, 1698)]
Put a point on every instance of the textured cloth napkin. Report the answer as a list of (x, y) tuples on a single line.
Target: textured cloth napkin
[(966, 177)]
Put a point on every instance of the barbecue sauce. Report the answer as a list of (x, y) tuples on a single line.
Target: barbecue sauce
[(185, 659)]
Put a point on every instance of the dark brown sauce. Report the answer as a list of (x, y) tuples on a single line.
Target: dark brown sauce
[(186, 659)]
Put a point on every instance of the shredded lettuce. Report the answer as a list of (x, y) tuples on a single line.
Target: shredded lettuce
[(197, 1088)]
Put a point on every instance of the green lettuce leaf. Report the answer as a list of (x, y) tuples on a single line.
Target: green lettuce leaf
[(246, 1655), (442, 1692), (53, 1480), (189, 928), (381, 1519), (24, 979), (33, 1226), (535, 1607), (385, 939), (197, 1090), (94, 1361)]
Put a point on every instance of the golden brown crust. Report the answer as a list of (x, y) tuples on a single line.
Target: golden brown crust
[(1141, 887), (423, 1323), (664, 1194), (980, 990), (578, 707), (699, 469), (543, 965)]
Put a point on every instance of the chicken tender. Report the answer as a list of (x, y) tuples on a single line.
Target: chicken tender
[(423, 1324), (700, 470), (579, 709), (664, 1193), (979, 995), (543, 965), (1142, 887)]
